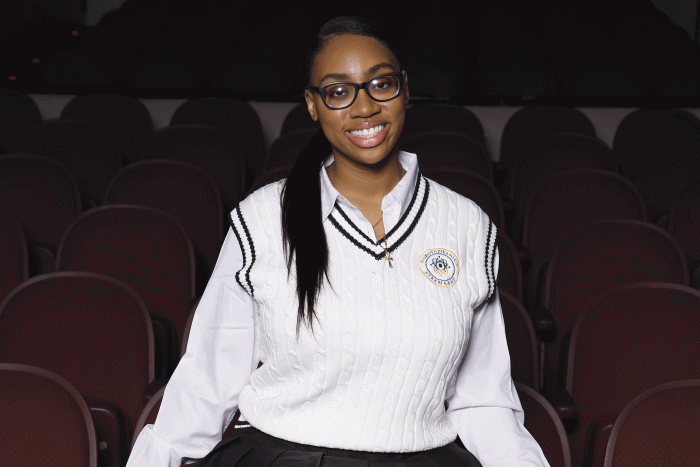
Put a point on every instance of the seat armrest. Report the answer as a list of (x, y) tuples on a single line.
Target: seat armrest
[(562, 402), (543, 321), (525, 260), (166, 347), (41, 260), (695, 277), (599, 436), (153, 388), (500, 175), (112, 430)]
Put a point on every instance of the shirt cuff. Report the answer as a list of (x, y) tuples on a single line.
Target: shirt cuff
[(497, 437), (150, 450)]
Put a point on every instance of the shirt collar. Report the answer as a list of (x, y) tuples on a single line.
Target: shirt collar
[(402, 192)]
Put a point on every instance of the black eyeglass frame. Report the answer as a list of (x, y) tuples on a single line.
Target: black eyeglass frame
[(320, 89)]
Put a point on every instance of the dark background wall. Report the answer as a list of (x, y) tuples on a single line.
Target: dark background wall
[(594, 52)]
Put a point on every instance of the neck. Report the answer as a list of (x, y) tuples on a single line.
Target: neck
[(365, 186)]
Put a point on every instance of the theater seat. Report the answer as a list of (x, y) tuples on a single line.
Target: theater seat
[(658, 428), (93, 331), (45, 420), (628, 339)]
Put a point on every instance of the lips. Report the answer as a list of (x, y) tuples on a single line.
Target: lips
[(368, 136)]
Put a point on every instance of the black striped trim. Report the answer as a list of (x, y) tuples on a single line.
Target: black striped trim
[(347, 235), (247, 250), (423, 203), (410, 206), (489, 259), (397, 235), (352, 224)]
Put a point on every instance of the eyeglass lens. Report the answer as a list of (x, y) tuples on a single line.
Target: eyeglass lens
[(342, 94)]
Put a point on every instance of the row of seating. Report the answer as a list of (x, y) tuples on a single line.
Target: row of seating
[(564, 201), (145, 248), (639, 136), (652, 148), (662, 141), (44, 196), (630, 339)]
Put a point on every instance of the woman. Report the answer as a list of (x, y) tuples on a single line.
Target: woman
[(371, 308)]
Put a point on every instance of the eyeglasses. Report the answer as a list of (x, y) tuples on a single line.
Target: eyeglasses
[(342, 94)]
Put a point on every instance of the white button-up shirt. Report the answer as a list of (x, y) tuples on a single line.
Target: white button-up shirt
[(202, 394)]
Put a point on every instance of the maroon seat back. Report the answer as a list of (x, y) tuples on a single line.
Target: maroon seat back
[(142, 247), (628, 339), (439, 149), (237, 119), (45, 420), (285, 149), (267, 177), (665, 172), (595, 257), (14, 259), (522, 342), (550, 153), (19, 114), (543, 423), (658, 428), (90, 329), (443, 117), (569, 199), (84, 147), (182, 190), (530, 121), (684, 221), (298, 118), (206, 147), (42, 194), (126, 119), (471, 185), (644, 132)]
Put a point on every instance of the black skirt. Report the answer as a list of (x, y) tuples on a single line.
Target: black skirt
[(250, 447)]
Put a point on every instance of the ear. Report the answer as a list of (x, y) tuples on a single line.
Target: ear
[(405, 82), (311, 105)]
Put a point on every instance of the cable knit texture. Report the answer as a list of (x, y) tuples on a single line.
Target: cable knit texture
[(383, 355)]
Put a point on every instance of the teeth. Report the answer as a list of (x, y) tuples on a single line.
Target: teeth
[(367, 133)]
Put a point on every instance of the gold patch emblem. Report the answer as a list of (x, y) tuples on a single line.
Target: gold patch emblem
[(440, 266)]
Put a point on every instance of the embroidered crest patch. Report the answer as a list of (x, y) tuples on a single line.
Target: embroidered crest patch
[(440, 266)]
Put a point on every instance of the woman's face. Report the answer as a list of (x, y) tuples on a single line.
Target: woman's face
[(356, 58)]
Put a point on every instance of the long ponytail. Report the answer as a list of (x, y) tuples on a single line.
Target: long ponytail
[(302, 228)]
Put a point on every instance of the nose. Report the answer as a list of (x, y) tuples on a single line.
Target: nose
[(364, 105)]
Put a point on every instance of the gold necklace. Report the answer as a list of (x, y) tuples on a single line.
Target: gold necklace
[(387, 255)]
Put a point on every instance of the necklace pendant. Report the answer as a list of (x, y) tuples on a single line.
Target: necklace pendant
[(387, 256)]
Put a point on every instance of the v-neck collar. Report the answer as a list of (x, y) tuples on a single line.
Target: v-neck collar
[(392, 240), (401, 193)]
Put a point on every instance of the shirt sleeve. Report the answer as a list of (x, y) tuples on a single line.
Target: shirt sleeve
[(201, 396), (485, 408)]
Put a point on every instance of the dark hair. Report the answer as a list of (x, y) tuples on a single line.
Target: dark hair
[(343, 25), (304, 238)]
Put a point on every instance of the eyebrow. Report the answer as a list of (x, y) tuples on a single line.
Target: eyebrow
[(345, 77)]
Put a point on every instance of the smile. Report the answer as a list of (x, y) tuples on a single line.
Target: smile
[(368, 132)]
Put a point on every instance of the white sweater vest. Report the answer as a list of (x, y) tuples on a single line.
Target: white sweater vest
[(383, 355)]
